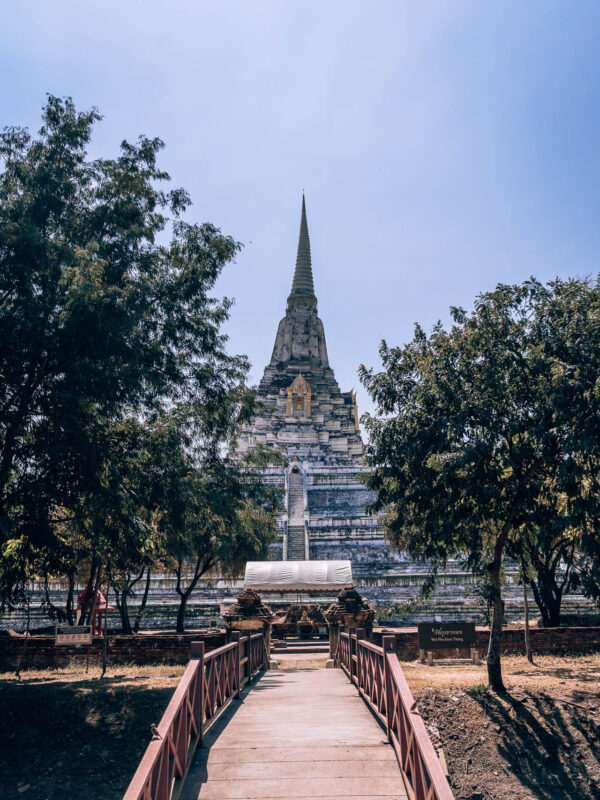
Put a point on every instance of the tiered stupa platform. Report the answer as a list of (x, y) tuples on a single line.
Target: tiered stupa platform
[(316, 426)]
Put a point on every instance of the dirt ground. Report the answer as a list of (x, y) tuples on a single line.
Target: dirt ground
[(540, 741), (293, 661), (65, 734)]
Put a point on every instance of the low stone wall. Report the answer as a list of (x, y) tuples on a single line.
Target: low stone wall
[(175, 649), (145, 649), (543, 641)]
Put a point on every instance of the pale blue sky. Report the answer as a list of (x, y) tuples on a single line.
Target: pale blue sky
[(443, 146)]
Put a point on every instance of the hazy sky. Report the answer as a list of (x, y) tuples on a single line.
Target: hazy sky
[(443, 146)]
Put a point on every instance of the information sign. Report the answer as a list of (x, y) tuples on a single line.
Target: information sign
[(441, 635), (73, 634)]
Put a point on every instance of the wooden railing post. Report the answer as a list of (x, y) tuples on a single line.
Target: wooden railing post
[(334, 642), (360, 634), (389, 646), (196, 649), (205, 689), (198, 652), (235, 637), (248, 671), (352, 635), (266, 650)]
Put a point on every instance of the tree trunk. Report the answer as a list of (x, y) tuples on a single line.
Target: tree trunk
[(142, 608), (548, 599), (184, 594), (117, 599), (71, 592), (126, 592), (125, 622), (87, 595), (105, 637), (121, 601), (92, 607), (180, 625), (528, 652), (24, 650), (494, 666)]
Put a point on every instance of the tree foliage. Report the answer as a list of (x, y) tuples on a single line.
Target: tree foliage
[(490, 430), (113, 360)]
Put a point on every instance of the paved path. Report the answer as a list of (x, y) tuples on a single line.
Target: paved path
[(299, 735)]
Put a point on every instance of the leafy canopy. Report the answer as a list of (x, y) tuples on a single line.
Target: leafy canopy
[(491, 429), (106, 317), (481, 428)]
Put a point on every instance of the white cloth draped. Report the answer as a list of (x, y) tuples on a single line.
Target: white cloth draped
[(282, 574)]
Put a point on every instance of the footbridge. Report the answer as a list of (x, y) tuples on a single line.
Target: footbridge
[(235, 729)]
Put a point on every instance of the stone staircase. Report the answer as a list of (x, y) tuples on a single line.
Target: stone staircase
[(294, 646), (296, 498), (295, 548)]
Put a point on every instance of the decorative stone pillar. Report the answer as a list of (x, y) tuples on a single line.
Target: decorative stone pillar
[(351, 611), (249, 614)]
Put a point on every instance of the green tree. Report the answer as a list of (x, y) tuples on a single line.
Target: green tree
[(588, 563), (106, 313), (480, 427), (547, 556), (219, 514), (127, 507)]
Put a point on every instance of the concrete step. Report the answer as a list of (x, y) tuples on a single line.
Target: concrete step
[(323, 649), (294, 644)]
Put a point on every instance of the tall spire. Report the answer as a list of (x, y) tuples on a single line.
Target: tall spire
[(300, 337), (303, 277)]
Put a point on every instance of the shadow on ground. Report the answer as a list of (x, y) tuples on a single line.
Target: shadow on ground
[(550, 746), (75, 738), (561, 673), (523, 745)]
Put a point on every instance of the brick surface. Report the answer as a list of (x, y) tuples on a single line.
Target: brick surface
[(143, 649), (543, 641)]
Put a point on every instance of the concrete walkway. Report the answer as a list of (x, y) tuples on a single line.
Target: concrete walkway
[(299, 735)]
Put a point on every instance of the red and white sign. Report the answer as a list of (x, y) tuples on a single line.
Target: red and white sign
[(73, 634)]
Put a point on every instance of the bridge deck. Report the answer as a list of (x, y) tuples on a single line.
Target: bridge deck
[(299, 735)]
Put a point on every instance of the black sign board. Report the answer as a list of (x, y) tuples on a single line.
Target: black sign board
[(439, 635)]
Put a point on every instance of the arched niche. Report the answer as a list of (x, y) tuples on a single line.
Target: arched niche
[(298, 398)]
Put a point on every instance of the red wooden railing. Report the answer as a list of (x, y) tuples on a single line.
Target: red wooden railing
[(380, 681), (207, 687)]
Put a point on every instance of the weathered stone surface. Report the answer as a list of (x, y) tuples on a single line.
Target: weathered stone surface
[(316, 426), (350, 610), (249, 614), (249, 606)]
